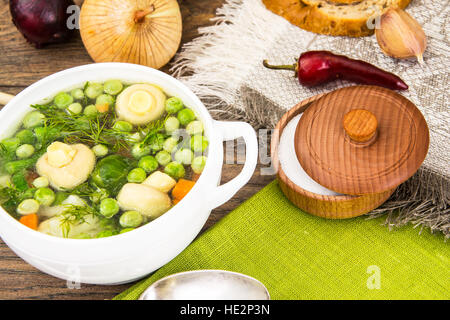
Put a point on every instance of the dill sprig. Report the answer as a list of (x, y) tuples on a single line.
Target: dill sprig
[(74, 215)]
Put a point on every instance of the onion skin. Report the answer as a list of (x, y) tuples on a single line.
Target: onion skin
[(41, 22)]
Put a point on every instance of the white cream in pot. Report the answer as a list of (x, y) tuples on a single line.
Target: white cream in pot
[(290, 164)]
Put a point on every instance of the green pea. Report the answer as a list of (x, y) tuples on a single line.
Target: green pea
[(131, 219), (25, 151), (175, 170), (11, 144), (33, 119), (126, 230), (185, 116), (77, 94), (113, 87), (45, 196), (28, 206), (184, 156), (26, 136), (139, 150), (170, 144), (109, 207), (41, 182), (137, 175), (62, 100), (148, 163), (173, 105), (194, 128), (93, 90), (171, 125), (199, 143), (90, 110), (104, 99), (75, 108), (105, 234), (163, 158), (123, 126), (100, 150)]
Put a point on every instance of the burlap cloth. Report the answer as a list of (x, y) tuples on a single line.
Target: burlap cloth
[(224, 68)]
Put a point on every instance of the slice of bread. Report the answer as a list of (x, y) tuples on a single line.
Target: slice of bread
[(333, 17)]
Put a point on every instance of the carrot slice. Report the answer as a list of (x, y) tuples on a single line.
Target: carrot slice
[(102, 108), (182, 188), (30, 220)]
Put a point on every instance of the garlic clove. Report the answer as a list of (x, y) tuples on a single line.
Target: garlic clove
[(400, 35)]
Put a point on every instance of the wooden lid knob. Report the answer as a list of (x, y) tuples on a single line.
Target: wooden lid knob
[(360, 125)]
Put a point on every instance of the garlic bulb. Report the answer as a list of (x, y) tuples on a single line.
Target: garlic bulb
[(400, 35), (146, 32)]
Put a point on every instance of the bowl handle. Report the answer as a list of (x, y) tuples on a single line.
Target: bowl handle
[(231, 131)]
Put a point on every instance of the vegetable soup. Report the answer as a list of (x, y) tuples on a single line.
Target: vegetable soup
[(101, 160)]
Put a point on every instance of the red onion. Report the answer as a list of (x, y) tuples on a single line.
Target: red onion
[(41, 21)]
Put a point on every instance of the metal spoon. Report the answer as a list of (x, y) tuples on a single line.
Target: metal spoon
[(206, 285)]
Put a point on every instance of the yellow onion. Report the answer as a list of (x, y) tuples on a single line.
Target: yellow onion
[(146, 32)]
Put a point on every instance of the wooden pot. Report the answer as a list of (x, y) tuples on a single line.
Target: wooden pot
[(331, 207)]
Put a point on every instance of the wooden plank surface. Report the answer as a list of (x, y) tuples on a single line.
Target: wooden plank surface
[(20, 66)]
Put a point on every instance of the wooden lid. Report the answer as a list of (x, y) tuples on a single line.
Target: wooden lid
[(361, 140)]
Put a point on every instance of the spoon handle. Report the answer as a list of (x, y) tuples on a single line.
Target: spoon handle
[(5, 98)]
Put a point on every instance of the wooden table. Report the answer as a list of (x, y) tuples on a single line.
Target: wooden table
[(21, 65)]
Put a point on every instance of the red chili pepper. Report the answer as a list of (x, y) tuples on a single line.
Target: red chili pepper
[(319, 67)]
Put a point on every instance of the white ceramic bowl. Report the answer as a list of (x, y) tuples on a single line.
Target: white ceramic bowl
[(129, 256)]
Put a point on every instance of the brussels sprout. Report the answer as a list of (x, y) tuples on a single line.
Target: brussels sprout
[(131, 219), (104, 99), (171, 125), (185, 116), (10, 144), (45, 196), (28, 206), (199, 143), (123, 126), (157, 142), (109, 207), (33, 119), (75, 108), (194, 128), (26, 136), (170, 144), (100, 150), (175, 170), (139, 150), (137, 175), (163, 158), (62, 100), (148, 163), (173, 105), (113, 87), (111, 173), (90, 110), (25, 151), (184, 156), (198, 164), (77, 94), (93, 90)]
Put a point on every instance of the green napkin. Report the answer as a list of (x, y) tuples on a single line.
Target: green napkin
[(300, 256)]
